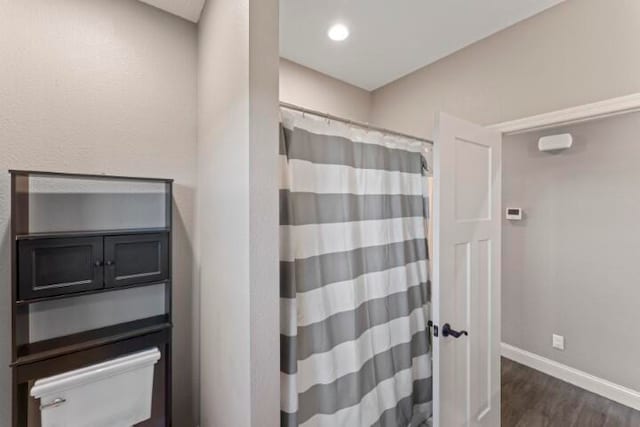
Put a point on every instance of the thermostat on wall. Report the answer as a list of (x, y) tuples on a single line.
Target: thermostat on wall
[(514, 214)]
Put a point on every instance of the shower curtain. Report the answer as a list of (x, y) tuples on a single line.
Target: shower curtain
[(355, 347)]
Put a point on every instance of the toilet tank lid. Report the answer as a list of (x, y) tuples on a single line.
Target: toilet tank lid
[(78, 377)]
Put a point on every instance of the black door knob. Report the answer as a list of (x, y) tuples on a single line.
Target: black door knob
[(447, 331)]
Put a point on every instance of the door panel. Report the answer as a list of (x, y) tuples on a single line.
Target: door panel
[(472, 181), (59, 266), (481, 395), (134, 259), (467, 273)]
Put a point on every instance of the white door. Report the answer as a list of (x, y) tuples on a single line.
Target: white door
[(466, 287)]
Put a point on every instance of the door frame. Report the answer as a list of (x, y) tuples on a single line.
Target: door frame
[(578, 114), (581, 113)]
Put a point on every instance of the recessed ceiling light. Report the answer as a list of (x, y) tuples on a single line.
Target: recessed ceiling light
[(338, 32)]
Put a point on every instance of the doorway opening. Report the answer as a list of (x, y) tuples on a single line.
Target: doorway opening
[(567, 274)]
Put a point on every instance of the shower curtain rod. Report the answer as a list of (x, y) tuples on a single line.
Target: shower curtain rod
[(351, 122)]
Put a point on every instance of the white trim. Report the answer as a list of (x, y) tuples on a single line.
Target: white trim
[(595, 110), (602, 387)]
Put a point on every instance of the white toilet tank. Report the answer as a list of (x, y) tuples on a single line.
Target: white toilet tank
[(116, 393)]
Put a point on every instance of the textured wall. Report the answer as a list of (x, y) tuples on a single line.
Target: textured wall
[(578, 52), (308, 88), (570, 267), (101, 86), (237, 213), (264, 218)]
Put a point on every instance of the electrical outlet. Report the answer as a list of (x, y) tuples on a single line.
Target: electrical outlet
[(558, 342)]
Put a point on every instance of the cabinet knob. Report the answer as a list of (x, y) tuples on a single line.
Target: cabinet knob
[(98, 263), (110, 263)]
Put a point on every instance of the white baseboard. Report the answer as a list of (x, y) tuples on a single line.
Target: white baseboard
[(612, 391)]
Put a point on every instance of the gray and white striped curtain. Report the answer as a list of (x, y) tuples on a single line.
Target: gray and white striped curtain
[(355, 348)]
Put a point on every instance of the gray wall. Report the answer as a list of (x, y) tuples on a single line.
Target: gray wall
[(308, 88), (578, 52), (571, 266), (101, 86), (237, 213)]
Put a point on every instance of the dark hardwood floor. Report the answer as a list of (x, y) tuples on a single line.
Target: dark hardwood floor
[(533, 399)]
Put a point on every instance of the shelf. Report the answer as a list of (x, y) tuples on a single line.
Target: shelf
[(142, 208), (91, 292), (87, 176), (55, 347), (92, 233)]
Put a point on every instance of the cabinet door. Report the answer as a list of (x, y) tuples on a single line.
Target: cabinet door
[(134, 259), (58, 266)]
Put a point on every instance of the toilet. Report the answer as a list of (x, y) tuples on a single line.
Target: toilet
[(116, 393)]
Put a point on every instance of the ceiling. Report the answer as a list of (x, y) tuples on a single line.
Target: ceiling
[(187, 9), (391, 38)]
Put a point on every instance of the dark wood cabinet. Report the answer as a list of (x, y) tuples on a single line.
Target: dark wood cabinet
[(54, 266), (49, 267), (134, 259), (48, 264)]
